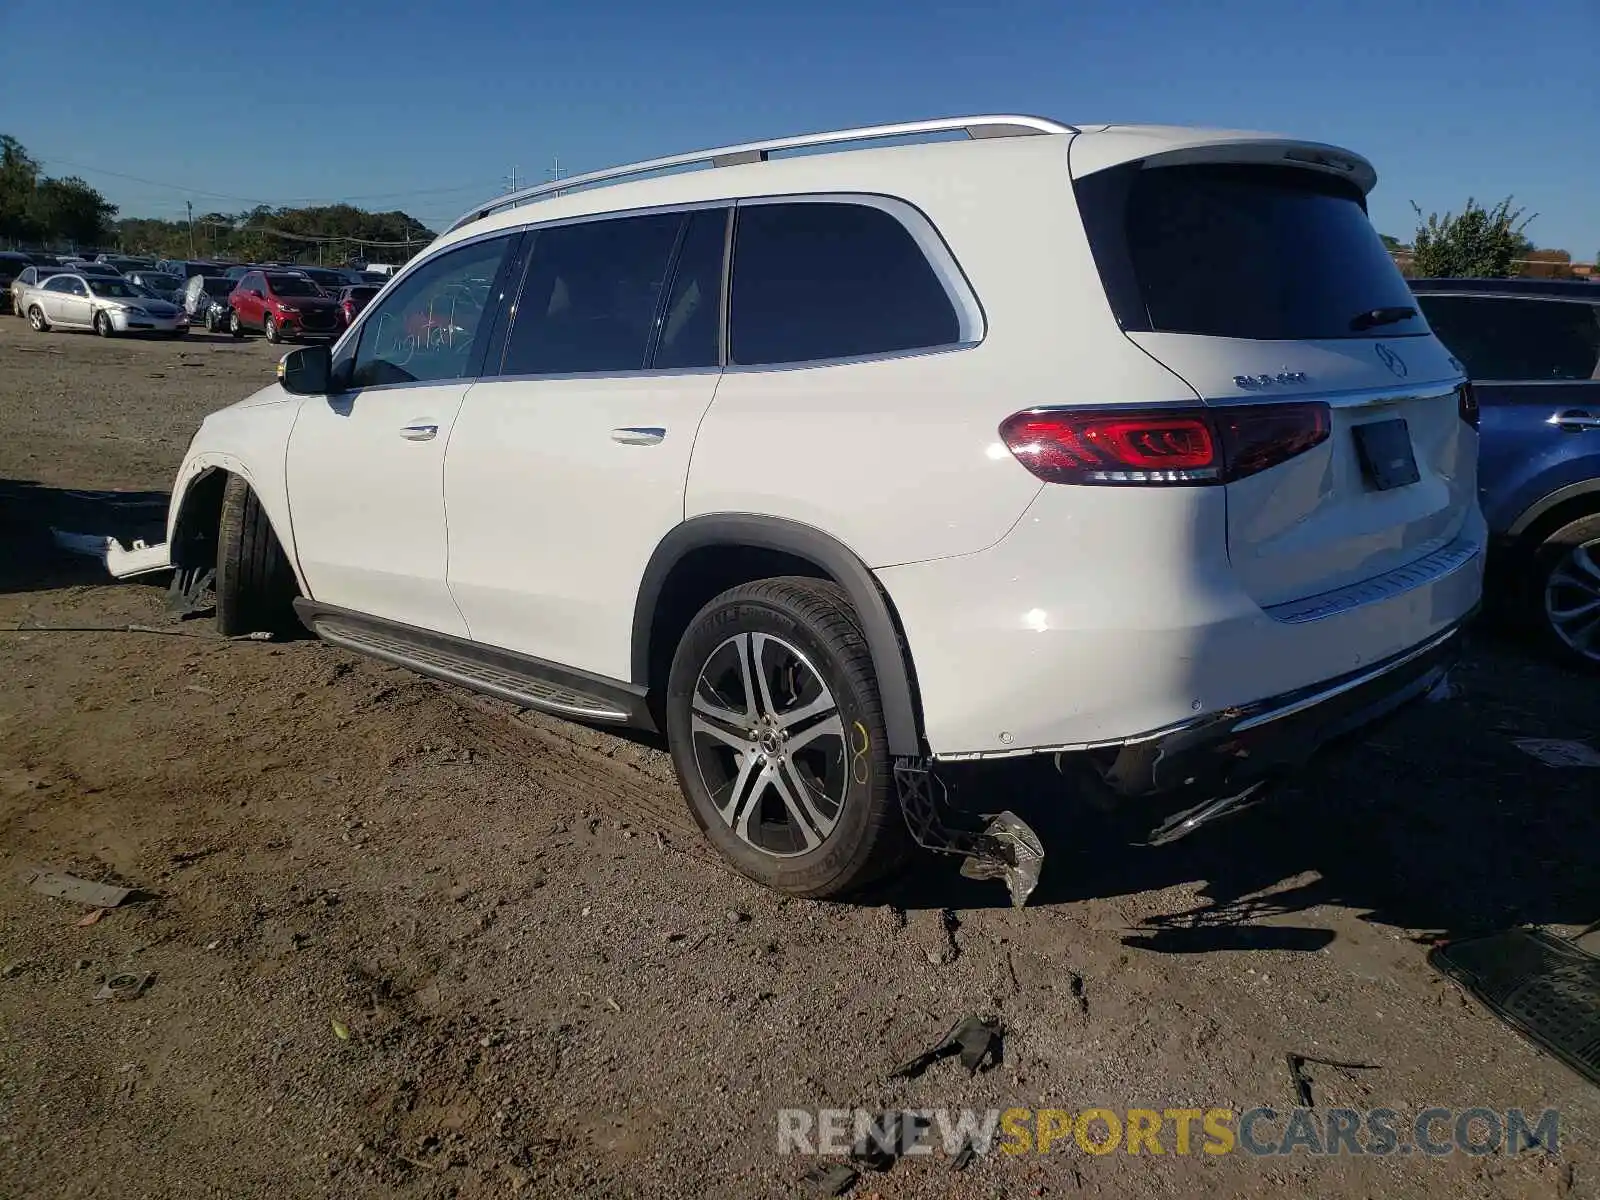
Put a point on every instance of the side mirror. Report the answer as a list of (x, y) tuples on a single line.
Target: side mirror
[(307, 371)]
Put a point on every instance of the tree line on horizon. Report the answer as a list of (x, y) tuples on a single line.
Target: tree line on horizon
[(67, 213)]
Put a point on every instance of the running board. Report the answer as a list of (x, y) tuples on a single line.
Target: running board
[(516, 678)]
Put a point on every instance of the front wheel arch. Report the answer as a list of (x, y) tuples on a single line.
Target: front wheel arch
[(656, 627)]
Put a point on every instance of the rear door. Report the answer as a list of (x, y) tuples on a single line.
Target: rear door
[(1266, 285), (566, 471), (1536, 364)]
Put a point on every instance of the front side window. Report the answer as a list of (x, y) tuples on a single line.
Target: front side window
[(60, 283), (1512, 338), (831, 280), (428, 327), (591, 294), (112, 287)]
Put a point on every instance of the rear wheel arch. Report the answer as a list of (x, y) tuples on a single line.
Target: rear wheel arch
[(707, 555), (1556, 510)]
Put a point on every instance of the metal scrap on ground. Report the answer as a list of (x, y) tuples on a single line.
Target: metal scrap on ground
[(976, 1040), (81, 891)]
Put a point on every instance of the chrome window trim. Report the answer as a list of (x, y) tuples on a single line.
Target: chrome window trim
[(971, 318), (848, 361), (556, 377)]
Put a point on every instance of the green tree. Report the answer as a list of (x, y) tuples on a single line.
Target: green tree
[(19, 176), (1391, 244), (1479, 243), (70, 210)]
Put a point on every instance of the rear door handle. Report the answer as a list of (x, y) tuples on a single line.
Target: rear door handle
[(419, 432), (1576, 418), (639, 435)]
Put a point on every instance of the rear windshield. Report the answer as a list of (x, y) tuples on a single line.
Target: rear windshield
[(1243, 251)]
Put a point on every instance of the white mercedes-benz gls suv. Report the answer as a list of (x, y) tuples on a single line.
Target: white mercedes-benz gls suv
[(1125, 447)]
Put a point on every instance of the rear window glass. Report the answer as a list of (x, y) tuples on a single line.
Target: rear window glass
[(1243, 251), (1502, 337), (826, 280)]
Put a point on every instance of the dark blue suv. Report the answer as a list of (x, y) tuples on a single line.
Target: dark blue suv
[(1532, 350)]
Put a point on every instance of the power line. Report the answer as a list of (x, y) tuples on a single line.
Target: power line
[(178, 187)]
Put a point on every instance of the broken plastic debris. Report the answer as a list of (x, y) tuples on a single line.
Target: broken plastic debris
[(91, 918), (978, 1041), (341, 1031), (1302, 1081), (1019, 856), (70, 887), (125, 986), (1556, 752)]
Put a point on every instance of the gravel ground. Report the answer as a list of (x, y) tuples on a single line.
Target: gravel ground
[(407, 942)]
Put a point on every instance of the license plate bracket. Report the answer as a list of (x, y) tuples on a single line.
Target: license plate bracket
[(1387, 458)]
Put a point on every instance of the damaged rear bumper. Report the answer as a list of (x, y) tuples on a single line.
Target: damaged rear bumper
[(1187, 776)]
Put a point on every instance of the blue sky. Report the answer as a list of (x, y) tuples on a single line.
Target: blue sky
[(427, 106)]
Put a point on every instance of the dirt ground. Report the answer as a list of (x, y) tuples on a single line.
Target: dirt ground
[(407, 942)]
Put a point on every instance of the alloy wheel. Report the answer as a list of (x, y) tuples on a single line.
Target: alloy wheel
[(1572, 600), (770, 744)]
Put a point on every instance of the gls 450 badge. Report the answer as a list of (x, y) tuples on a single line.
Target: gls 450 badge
[(1282, 378)]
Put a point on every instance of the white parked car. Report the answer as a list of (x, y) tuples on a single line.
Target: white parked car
[(109, 305), (1120, 447)]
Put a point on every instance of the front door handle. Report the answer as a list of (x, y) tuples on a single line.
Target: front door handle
[(639, 435), (419, 432), (1576, 418)]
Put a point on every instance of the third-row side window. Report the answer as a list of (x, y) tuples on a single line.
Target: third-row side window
[(831, 280)]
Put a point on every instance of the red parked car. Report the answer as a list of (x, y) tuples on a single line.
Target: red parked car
[(281, 306), (353, 299)]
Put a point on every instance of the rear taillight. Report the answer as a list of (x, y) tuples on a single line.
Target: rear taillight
[(1467, 404), (1162, 446), (1259, 436)]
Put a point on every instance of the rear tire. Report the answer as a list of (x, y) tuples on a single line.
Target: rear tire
[(803, 804), (36, 319), (255, 584), (234, 327), (1566, 592)]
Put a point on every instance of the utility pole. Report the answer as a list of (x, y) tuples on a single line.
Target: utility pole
[(189, 204)]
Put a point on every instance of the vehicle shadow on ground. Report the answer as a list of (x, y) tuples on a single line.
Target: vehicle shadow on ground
[(30, 513), (1440, 825)]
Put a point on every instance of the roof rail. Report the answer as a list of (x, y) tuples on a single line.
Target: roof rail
[(750, 152)]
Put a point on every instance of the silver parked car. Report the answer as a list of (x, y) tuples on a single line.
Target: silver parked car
[(73, 300), (29, 278)]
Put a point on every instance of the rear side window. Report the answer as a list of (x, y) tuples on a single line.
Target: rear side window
[(1242, 251), (1509, 338), (831, 280), (591, 294), (691, 322)]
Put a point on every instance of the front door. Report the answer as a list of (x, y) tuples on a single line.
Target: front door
[(567, 470), (366, 463)]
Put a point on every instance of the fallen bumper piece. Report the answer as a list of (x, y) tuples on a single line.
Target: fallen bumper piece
[(123, 563)]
